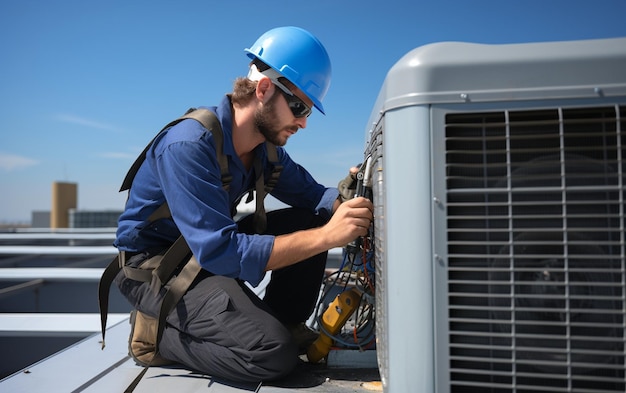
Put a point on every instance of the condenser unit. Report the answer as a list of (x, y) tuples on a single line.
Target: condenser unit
[(498, 182)]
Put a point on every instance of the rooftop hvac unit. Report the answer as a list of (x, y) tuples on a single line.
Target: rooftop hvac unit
[(498, 178)]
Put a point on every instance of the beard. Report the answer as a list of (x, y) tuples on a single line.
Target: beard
[(265, 120)]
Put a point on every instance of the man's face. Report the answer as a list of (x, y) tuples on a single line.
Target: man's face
[(268, 120)]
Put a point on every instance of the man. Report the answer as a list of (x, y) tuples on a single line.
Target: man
[(220, 327)]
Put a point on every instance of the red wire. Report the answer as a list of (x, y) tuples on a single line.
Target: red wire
[(364, 260)]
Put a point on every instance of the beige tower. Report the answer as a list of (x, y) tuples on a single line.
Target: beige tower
[(64, 197)]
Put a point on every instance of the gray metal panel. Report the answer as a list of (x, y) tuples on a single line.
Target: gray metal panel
[(450, 72), (440, 255), (408, 260)]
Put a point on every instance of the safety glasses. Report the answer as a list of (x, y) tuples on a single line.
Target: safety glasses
[(297, 106)]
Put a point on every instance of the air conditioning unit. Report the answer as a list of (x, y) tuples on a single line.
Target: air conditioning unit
[(498, 178)]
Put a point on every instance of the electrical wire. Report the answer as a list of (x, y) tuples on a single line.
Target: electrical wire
[(354, 271)]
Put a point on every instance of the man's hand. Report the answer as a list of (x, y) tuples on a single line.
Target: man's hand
[(351, 220), (347, 185)]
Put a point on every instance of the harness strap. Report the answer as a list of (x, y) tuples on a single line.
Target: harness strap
[(272, 157), (104, 287), (176, 291), (260, 219), (162, 211), (264, 187), (173, 295), (208, 121), (179, 251), (142, 274), (211, 123)]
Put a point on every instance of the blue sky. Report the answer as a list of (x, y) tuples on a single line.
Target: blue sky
[(84, 85)]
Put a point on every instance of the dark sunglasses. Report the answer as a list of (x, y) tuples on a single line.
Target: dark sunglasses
[(297, 106)]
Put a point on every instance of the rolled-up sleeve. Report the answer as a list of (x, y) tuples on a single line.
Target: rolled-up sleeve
[(325, 207)]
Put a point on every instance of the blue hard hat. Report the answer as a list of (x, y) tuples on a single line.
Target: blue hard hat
[(297, 55)]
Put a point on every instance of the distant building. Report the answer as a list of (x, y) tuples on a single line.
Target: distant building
[(40, 219), (93, 219), (64, 198), (64, 212)]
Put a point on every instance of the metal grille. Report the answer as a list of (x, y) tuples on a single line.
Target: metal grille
[(536, 267)]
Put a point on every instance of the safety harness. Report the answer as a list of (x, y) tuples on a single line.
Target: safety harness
[(177, 268)]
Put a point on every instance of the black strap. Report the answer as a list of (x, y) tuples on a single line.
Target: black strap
[(208, 121), (260, 220), (272, 157), (263, 186), (104, 287), (138, 378), (175, 292), (179, 251), (173, 295)]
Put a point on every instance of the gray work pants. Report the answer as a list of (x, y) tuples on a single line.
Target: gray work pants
[(221, 328)]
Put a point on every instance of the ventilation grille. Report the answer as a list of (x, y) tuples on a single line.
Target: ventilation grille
[(536, 273)]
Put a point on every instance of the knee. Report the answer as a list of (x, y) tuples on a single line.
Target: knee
[(276, 362)]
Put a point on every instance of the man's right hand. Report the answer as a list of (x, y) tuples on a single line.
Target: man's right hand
[(351, 220)]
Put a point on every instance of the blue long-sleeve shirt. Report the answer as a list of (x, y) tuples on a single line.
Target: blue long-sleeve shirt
[(181, 168)]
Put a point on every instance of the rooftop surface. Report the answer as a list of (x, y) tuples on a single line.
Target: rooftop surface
[(85, 367), (49, 323)]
